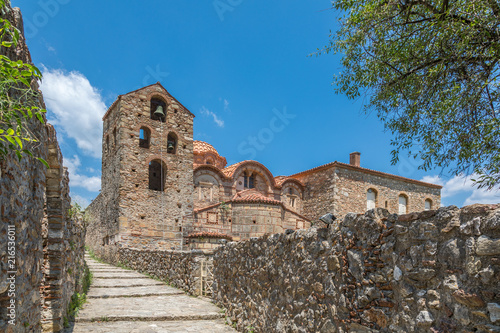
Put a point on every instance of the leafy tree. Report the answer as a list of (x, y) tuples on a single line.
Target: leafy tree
[(20, 99), (430, 71)]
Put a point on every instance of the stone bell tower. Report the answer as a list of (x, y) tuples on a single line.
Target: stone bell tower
[(147, 169)]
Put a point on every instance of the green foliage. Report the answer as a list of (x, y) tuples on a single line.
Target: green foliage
[(19, 100), (77, 212), (77, 300), (430, 70)]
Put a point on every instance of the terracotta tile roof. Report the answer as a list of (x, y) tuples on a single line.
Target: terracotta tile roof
[(252, 195), (208, 234), (201, 147), (228, 171), (280, 180), (207, 207), (369, 171)]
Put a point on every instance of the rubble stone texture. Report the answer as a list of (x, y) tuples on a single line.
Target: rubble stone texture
[(49, 260), (435, 271)]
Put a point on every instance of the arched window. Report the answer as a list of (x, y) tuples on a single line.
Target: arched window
[(403, 204), (428, 204), (249, 181), (157, 175), (144, 137), (158, 105), (371, 199), (290, 190), (171, 143), (210, 161)]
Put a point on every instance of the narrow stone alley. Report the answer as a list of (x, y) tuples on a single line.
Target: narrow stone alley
[(121, 300)]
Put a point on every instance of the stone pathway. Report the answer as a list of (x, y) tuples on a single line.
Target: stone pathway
[(124, 301)]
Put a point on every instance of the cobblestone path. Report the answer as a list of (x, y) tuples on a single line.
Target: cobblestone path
[(121, 300)]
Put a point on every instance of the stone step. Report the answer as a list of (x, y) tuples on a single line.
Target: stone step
[(155, 308), (119, 275), (204, 326), (138, 291), (124, 283)]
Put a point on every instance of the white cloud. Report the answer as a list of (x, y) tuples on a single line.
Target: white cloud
[(75, 107), (226, 106), (207, 112), (463, 185), (92, 184), (484, 197)]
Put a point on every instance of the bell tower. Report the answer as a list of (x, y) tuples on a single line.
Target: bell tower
[(147, 169)]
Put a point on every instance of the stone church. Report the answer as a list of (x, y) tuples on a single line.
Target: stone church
[(161, 189)]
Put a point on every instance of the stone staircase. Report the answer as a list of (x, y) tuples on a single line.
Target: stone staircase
[(121, 300)]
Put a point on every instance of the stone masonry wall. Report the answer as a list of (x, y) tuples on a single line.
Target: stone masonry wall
[(318, 197), (435, 271), (178, 268), (341, 189), (47, 263), (130, 212), (22, 197), (352, 185)]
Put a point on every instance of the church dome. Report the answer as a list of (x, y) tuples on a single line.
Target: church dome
[(201, 147), (205, 153)]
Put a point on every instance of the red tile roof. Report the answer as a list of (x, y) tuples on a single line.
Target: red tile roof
[(208, 234), (228, 171), (201, 147), (252, 195), (280, 180)]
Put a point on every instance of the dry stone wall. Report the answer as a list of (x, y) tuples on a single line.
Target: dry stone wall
[(435, 271), (179, 268)]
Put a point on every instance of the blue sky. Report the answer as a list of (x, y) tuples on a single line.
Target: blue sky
[(236, 64)]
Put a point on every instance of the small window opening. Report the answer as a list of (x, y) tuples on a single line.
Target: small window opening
[(386, 204), (157, 107), (171, 143), (157, 174), (144, 137), (210, 161), (292, 202), (403, 204), (428, 204), (290, 191), (107, 143), (115, 142), (371, 199)]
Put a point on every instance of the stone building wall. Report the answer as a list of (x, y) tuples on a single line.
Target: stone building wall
[(319, 195), (48, 244), (339, 188), (352, 186), (435, 271), (245, 220), (131, 213)]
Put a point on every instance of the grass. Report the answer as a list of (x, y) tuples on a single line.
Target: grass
[(77, 300)]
